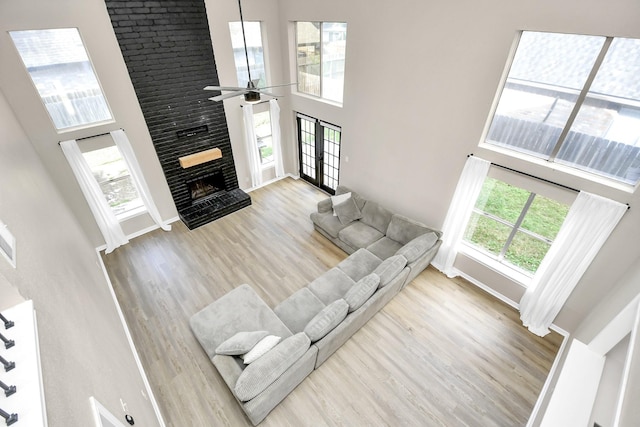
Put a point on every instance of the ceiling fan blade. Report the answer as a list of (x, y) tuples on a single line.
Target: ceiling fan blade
[(228, 95), (286, 84), (264, 92), (223, 88)]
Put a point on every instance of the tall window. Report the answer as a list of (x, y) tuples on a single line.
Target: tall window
[(114, 178), (262, 123), (321, 48), (514, 226), (575, 100), (255, 52), (63, 75)]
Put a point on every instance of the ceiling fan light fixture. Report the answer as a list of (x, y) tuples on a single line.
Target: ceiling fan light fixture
[(252, 97)]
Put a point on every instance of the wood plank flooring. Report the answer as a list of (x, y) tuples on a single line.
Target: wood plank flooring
[(441, 353)]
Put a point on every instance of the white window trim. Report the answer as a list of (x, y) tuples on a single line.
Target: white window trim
[(124, 216)]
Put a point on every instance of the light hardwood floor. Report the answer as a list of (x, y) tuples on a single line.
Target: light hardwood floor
[(441, 353)]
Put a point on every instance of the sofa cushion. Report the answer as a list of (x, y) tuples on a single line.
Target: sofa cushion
[(260, 349), (298, 309), (384, 248), (325, 321), (347, 211), (403, 230), (376, 216), (328, 223), (241, 343), (361, 291), (263, 372), (337, 199), (390, 268), (359, 264), (331, 286), (360, 201), (238, 310), (359, 234), (418, 246)]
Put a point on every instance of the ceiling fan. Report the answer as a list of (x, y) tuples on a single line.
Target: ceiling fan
[(251, 92)]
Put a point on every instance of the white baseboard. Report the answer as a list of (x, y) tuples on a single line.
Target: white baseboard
[(271, 181), (143, 374)]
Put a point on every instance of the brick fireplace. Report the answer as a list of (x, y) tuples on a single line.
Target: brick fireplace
[(167, 49)]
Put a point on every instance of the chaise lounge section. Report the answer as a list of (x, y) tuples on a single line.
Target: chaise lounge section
[(312, 323)]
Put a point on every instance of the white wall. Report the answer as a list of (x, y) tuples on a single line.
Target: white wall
[(83, 346), (420, 82), (92, 19)]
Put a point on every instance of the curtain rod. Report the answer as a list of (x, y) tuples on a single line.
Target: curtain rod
[(92, 136), (538, 178)]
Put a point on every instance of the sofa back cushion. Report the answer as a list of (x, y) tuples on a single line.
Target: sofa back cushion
[(418, 246), (325, 321), (389, 269), (403, 230), (264, 371), (376, 216), (361, 291)]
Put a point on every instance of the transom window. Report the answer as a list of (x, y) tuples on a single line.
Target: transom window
[(255, 51), (63, 76), (514, 226), (574, 100), (114, 178), (321, 48)]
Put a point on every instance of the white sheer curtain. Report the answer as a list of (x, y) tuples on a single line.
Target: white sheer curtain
[(252, 146), (105, 218), (585, 229), (123, 144), (467, 192), (276, 137)]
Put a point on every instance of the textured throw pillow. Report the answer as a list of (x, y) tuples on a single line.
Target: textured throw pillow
[(418, 246), (265, 344), (347, 211), (240, 343), (389, 269), (361, 291), (336, 200), (325, 321), (263, 372)]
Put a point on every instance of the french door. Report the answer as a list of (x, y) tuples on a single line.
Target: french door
[(319, 148)]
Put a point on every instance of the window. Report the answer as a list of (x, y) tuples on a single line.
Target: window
[(113, 176), (63, 75), (262, 123), (253, 34), (319, 148), (321, 48), (514, 226), (574, 100)]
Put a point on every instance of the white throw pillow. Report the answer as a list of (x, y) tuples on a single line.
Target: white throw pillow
[(336, 200), (263, 346)]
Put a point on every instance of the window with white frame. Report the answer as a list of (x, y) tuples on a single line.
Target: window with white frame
[(255, 53), (321, 53), (515, 226), (574, 100), (262, 123), (114, 178), (62, 73)]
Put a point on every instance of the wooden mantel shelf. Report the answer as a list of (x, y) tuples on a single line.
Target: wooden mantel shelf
[(200, 157)]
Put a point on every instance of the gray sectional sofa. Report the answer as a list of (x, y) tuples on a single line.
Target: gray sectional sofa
[(316, 320)]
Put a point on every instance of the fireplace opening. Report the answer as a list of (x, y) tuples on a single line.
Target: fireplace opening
[(206, 185)]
